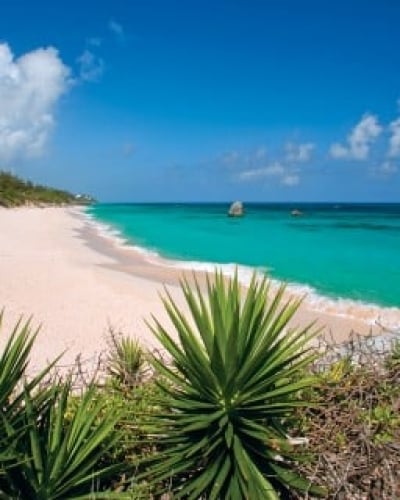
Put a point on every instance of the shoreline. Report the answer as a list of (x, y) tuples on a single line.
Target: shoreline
[(105, 236), (77, 282), (362, 317)]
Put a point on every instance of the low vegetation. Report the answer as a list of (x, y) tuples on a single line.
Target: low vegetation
[(16, 192), (235, 406), (354, 428)]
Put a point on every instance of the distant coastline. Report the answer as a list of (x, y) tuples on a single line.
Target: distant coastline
[(17, 192)]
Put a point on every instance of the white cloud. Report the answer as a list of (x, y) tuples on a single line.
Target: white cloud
[(386, 169), (359, 141), (91, 67), (290, 180), (236, 159), (276, 169), (394, 142), (286, 176), (338, 151), (117, 29), (299, 152), (30, 87)]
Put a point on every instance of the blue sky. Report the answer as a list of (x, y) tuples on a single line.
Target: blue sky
[(198, 100)]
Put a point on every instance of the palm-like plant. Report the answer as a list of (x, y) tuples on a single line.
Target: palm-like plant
[(63, 451), (13, 362), (125, 360), (47, 452), (233, 381)]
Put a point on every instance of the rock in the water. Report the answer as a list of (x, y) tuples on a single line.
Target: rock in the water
[(296, 213), (236, 209)]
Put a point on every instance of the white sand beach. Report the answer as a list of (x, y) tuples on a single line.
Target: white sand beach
[(76, 283)]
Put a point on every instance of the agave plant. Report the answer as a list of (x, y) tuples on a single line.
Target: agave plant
[(126, 359), (13, 362), (62, 452), (225, 397), (47, 452)]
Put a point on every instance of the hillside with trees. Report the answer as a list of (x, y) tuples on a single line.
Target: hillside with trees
[(15, 192)]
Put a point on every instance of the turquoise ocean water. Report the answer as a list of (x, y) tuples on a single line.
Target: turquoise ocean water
[(349, 251)]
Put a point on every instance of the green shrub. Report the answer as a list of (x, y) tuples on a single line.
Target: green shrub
[(126, 359), (134, 405)]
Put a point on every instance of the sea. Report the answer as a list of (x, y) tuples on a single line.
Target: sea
[(343, 254)]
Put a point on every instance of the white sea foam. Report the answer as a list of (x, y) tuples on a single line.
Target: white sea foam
[(105, 230), (115, 236), (370, 313)]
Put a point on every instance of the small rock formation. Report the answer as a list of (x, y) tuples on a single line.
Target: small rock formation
[(296, 213), (236, 209)]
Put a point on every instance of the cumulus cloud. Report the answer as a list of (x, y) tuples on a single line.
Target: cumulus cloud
[(385, 170), (277, 170), (388, 168), (30, 87), (236, 159), (394, 141), (359, 141), (273, 170), (91, 67), (339, 151), (299, 152)]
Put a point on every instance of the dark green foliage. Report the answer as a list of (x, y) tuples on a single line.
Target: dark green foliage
[(135, 405), (46, 451), (16, 192), (125, 360), (60, 453), (224, 400), (13, 362)]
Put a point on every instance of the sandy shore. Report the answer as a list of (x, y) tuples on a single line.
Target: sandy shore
[(76, 283)]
